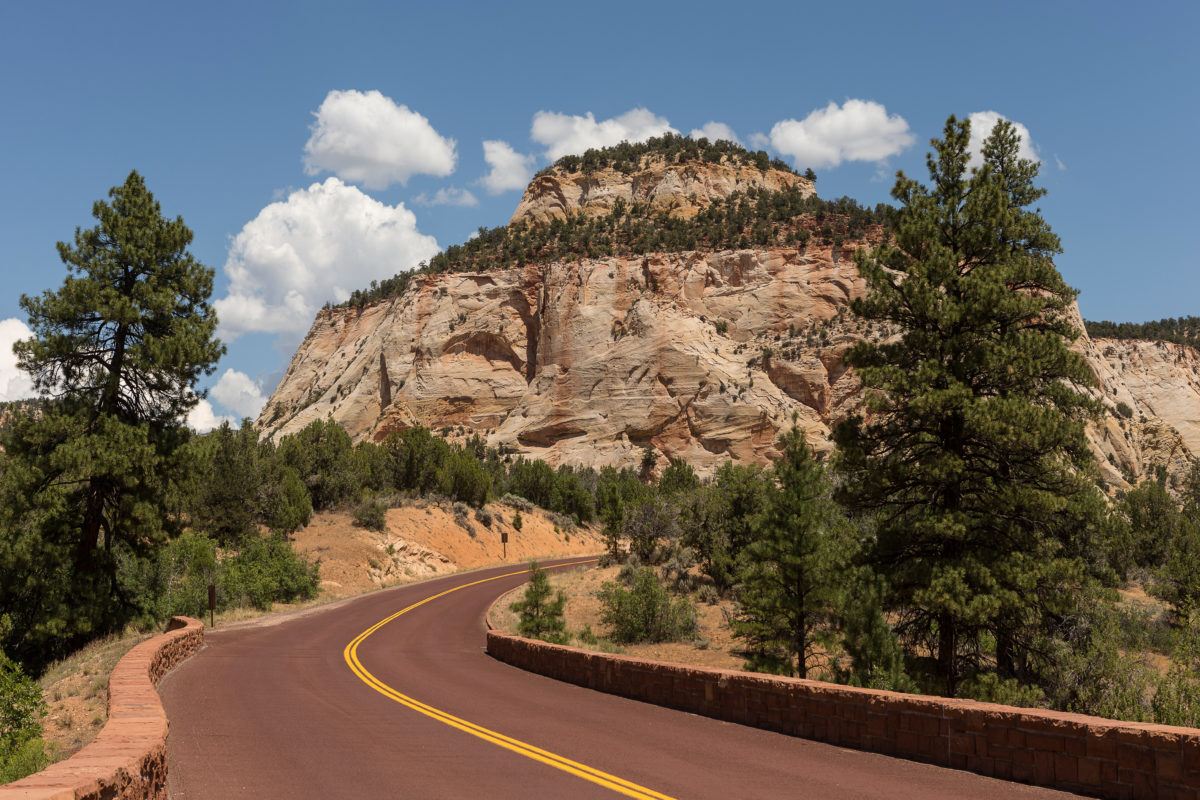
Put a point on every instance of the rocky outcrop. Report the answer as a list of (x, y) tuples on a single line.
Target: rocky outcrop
[(590, 362), (679, 189), (702, 356)]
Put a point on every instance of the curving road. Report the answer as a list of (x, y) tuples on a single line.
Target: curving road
[(292, 709)]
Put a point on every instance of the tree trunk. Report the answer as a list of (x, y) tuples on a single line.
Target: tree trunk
[(93, 511), (947, 653), (1004, 655)]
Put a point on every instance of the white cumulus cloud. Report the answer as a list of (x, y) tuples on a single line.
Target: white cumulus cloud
[(15, 383), (203, 419), (857, 130), (239, 393), (567, 134), (447, 196), (367, 138), (316, 246), (715, 131), (509, 170), (982, 123)]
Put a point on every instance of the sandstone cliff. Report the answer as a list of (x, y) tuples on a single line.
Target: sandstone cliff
[(679, 189), (705, 356)]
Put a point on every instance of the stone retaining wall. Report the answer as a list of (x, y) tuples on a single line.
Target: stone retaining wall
[(1085, 754), (128, 758)]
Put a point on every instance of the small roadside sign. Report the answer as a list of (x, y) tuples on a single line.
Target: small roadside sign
[(212, 606)]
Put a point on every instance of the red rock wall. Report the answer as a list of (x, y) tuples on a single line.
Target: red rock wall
[(128, 758), (1047, 748)]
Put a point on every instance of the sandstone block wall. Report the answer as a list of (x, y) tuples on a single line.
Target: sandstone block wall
[(128, 758), (1094, 756)]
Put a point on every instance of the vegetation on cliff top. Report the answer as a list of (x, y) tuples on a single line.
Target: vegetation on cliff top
[(1180, 330), (755, 218), (628, 157)]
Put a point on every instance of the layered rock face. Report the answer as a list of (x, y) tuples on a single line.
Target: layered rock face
[(679, 189), (705, 356), (589, 362)]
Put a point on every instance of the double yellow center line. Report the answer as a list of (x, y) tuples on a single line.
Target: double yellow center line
[(619, 785)]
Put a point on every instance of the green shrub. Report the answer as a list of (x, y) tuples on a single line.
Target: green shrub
[(517, 502), (517, 523), (176, 580), (646, 612), (267, 570), (991, 688), (1177, 694), (22, 751), (371, 514), (462, 517), (1124, 410)]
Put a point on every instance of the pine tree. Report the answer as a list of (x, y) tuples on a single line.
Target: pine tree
[(117, 350), (972, 455), (228, 506), (793, 572), (540, 610)]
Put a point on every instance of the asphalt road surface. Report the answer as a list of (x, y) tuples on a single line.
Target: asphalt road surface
[(309, 707)]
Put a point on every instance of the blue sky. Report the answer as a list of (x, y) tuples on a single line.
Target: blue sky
[(214, 103)]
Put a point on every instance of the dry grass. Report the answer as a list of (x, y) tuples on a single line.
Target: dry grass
[(76, 692), (714, 645)]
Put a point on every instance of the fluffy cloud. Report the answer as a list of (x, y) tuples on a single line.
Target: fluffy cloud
[(15, 384), (510, 170), (366, 138), (715, 132), (447, 196), (238, 393), (566, 134), (857, 130), (982, 123), (316, 246), (203, 419)]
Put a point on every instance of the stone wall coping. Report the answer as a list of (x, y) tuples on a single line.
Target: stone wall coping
[(1064, 719), (127, 759)]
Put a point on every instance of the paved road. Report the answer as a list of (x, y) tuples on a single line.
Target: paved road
[(276, 711)]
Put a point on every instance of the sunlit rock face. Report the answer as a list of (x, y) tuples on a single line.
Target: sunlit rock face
[(705, 356)]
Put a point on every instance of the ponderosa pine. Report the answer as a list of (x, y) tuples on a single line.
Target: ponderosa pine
[(117, 351), (971, 455)]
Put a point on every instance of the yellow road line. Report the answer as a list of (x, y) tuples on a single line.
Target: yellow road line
[(619, 785)]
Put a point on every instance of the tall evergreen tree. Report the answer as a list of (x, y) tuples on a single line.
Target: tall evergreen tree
[(972, 454), (117, 350), (793, 572)]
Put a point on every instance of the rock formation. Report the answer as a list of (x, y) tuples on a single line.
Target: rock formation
[(680, 189), (705, 356)]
